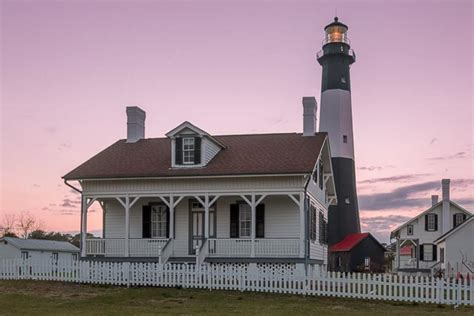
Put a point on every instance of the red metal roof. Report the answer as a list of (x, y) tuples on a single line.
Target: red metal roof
[(243, 155), (348, 242), (405, 251)]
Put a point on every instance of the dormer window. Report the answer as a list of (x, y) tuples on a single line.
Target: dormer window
[(188, 150)]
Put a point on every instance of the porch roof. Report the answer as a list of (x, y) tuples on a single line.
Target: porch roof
[(255, 154)]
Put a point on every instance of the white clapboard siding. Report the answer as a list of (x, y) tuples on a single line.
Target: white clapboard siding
[(210, 150), (230, 277)]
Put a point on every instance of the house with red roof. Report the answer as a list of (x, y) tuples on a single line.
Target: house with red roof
[(256, 199), (357, 252)]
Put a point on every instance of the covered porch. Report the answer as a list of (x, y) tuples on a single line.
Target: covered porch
[(198, 225)]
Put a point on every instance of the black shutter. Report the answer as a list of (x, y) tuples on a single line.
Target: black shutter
[(435, 248), (436, 221), (260, 221), (421, 253), (197, 150), (179, 151), (314, 223), (426, 222), (234, 221), (167, 222), (146, 221), (464, 217), (454, 220)]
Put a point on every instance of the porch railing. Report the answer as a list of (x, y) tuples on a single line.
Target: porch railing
[(263, 247), (115, 247), (166, 251)]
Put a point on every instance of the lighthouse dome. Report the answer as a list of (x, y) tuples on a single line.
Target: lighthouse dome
[(336, 32)]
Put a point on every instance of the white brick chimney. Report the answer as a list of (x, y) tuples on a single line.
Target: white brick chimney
[(434, 199), (310, 108), (135, 124), (445, 190)]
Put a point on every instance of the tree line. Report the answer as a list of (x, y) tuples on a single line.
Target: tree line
[(27, 226)]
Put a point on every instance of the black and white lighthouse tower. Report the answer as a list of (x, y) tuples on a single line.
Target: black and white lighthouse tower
[(336, 57)]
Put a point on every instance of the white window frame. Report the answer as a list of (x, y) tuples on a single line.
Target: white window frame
[(428, 254), (55, 257), (25, 255), (159, 221), (188, 148), (74, 257), (431, 222), (409, 230), (459, 219), (367, 262), (245, 223)]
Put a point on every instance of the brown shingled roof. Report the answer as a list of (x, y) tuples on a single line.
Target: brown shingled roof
[(243, 155)]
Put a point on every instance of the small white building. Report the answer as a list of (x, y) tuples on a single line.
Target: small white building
[(253, 199), (420, 234), (36, 249), (456, 250)]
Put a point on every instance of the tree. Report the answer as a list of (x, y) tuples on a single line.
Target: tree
[(27, 223), (8, 225)]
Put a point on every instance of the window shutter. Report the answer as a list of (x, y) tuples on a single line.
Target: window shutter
[(422, 254), (178, 151), (436, 221), (322, 228), (197, 150), (426, 222), (321, 174), (167, 222), (435, 248), (313, 223), (260, 221), (464, 217), (454, 220), (234, 221), (146, 221)]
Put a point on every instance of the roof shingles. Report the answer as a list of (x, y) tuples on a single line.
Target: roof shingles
[(244, 154)]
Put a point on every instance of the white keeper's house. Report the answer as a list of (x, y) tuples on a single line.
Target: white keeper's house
[(440, 239), (196, 197), (37, 249)]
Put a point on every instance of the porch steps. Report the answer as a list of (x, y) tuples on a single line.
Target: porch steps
[(182, 260)]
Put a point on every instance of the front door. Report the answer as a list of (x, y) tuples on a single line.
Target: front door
[(197, 230), (196, 226)]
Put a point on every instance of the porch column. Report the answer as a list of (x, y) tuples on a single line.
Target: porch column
[(253, 207), (398, 253), (206, 216), (83, 225), (171, 206), (302, 226), (127, 226)]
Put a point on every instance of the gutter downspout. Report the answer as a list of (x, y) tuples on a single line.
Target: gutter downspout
[(307, 245), (80, 232)]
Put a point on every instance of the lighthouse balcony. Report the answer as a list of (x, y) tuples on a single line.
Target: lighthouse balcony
[(321, 53)]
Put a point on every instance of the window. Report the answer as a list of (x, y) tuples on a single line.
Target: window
[(409, 230), (323, 233), (74, 257), (458, 219), (428, 254), (188, 150), (55, 257), (431, 222), (159, 221), (367, 262), (441, 254), (344, 139), (343, 80), (313, 222), (24, 255), (245, 220), (321, 174), (347, 200)]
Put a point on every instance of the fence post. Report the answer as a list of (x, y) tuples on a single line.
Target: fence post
[(458, 291), (126, 272)]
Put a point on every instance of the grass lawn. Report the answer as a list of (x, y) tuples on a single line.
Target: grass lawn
[(40, 297)]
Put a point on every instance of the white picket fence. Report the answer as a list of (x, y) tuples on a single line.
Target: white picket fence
[(230, 277)]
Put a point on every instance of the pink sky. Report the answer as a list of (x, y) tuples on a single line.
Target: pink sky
[(69, 68)]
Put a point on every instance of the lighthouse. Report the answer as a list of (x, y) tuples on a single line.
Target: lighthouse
[(336, 57)]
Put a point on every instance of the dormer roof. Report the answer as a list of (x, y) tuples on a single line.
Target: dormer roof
[(189, 126)]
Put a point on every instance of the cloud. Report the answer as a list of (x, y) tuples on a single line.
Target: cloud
[(403, 197), (73, 191), (375, 168), (459, 155), (401, 178), (383, 223), (398, 198), (36, 185), (433, 140), (50, 129), (64, 145), (70, 203)]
